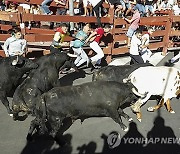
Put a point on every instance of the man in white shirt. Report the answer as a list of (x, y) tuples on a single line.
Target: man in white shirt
[(135, 48), (15, 45)]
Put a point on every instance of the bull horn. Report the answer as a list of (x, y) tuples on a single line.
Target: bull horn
[(72, 55), (14, 62), (137, 93)]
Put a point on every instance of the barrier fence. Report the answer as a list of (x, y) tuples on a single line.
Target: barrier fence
[(113, 44)]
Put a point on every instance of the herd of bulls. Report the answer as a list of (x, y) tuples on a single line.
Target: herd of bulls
[(36, 90)]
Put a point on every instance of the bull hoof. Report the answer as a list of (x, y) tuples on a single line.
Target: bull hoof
[(139, 119), (151, 109), (29, 138), (130, 119), (11, 115), (172, 111), (126, 129)]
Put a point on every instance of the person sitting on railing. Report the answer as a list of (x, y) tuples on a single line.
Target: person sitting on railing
[(15, 45), (140, 5), (11, 7), (149, 7), (34, 9), (97, 4), (176, 8), (58, 40), (134, 24), (45, 7), (126, 7), (61, 10), (165, 5), (156, 5)]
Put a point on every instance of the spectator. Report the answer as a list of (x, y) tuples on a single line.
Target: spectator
[(15, 45), (12, 7), (146, 53), (140, 5), (97, 4), (126, 7), (45, 7), (86, 11), (95, 38), (176, 8), (157, 5), (134, 24), (135, 48), (2, 5), (35, 9), (77, 45), (149, 7), (165, 5), (61, 10), (58, 40)]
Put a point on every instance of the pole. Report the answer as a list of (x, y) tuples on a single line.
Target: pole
[(71, 13)]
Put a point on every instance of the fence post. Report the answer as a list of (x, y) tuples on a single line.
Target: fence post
[(109, 56), (168, 31)]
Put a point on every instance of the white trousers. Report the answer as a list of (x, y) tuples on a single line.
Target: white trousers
[(95, 46), (81, 56)]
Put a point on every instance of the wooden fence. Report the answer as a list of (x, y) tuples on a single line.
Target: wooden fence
[(113, 44)]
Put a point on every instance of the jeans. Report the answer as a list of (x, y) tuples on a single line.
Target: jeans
[(141, 9), (45, 6)]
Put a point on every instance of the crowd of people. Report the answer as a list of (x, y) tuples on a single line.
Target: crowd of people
[(137, 44)]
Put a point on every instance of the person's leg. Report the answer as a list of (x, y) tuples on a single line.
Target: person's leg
[(45, 7), (137, 59), (96, 10), (77, 51), (129, 34), (95, 46), (83, 59)]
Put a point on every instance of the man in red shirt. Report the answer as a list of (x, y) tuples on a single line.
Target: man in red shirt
[(95, 38)]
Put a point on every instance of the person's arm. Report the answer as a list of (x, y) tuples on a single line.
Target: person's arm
[(24, 48), (59, 2), (144, 43), (6, 46), (91, 37)]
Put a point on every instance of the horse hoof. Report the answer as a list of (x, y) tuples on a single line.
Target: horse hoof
[(150, 109)]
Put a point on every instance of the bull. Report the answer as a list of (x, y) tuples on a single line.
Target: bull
[(44, 78), (161, 80), (93, 99), (12, 70), (116, 73)]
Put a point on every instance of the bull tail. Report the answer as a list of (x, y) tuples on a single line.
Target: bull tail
[(137, 93)]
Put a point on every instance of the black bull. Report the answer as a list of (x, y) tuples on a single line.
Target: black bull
[(12, 70), (40, 80), (93, 99), (116, 73)]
